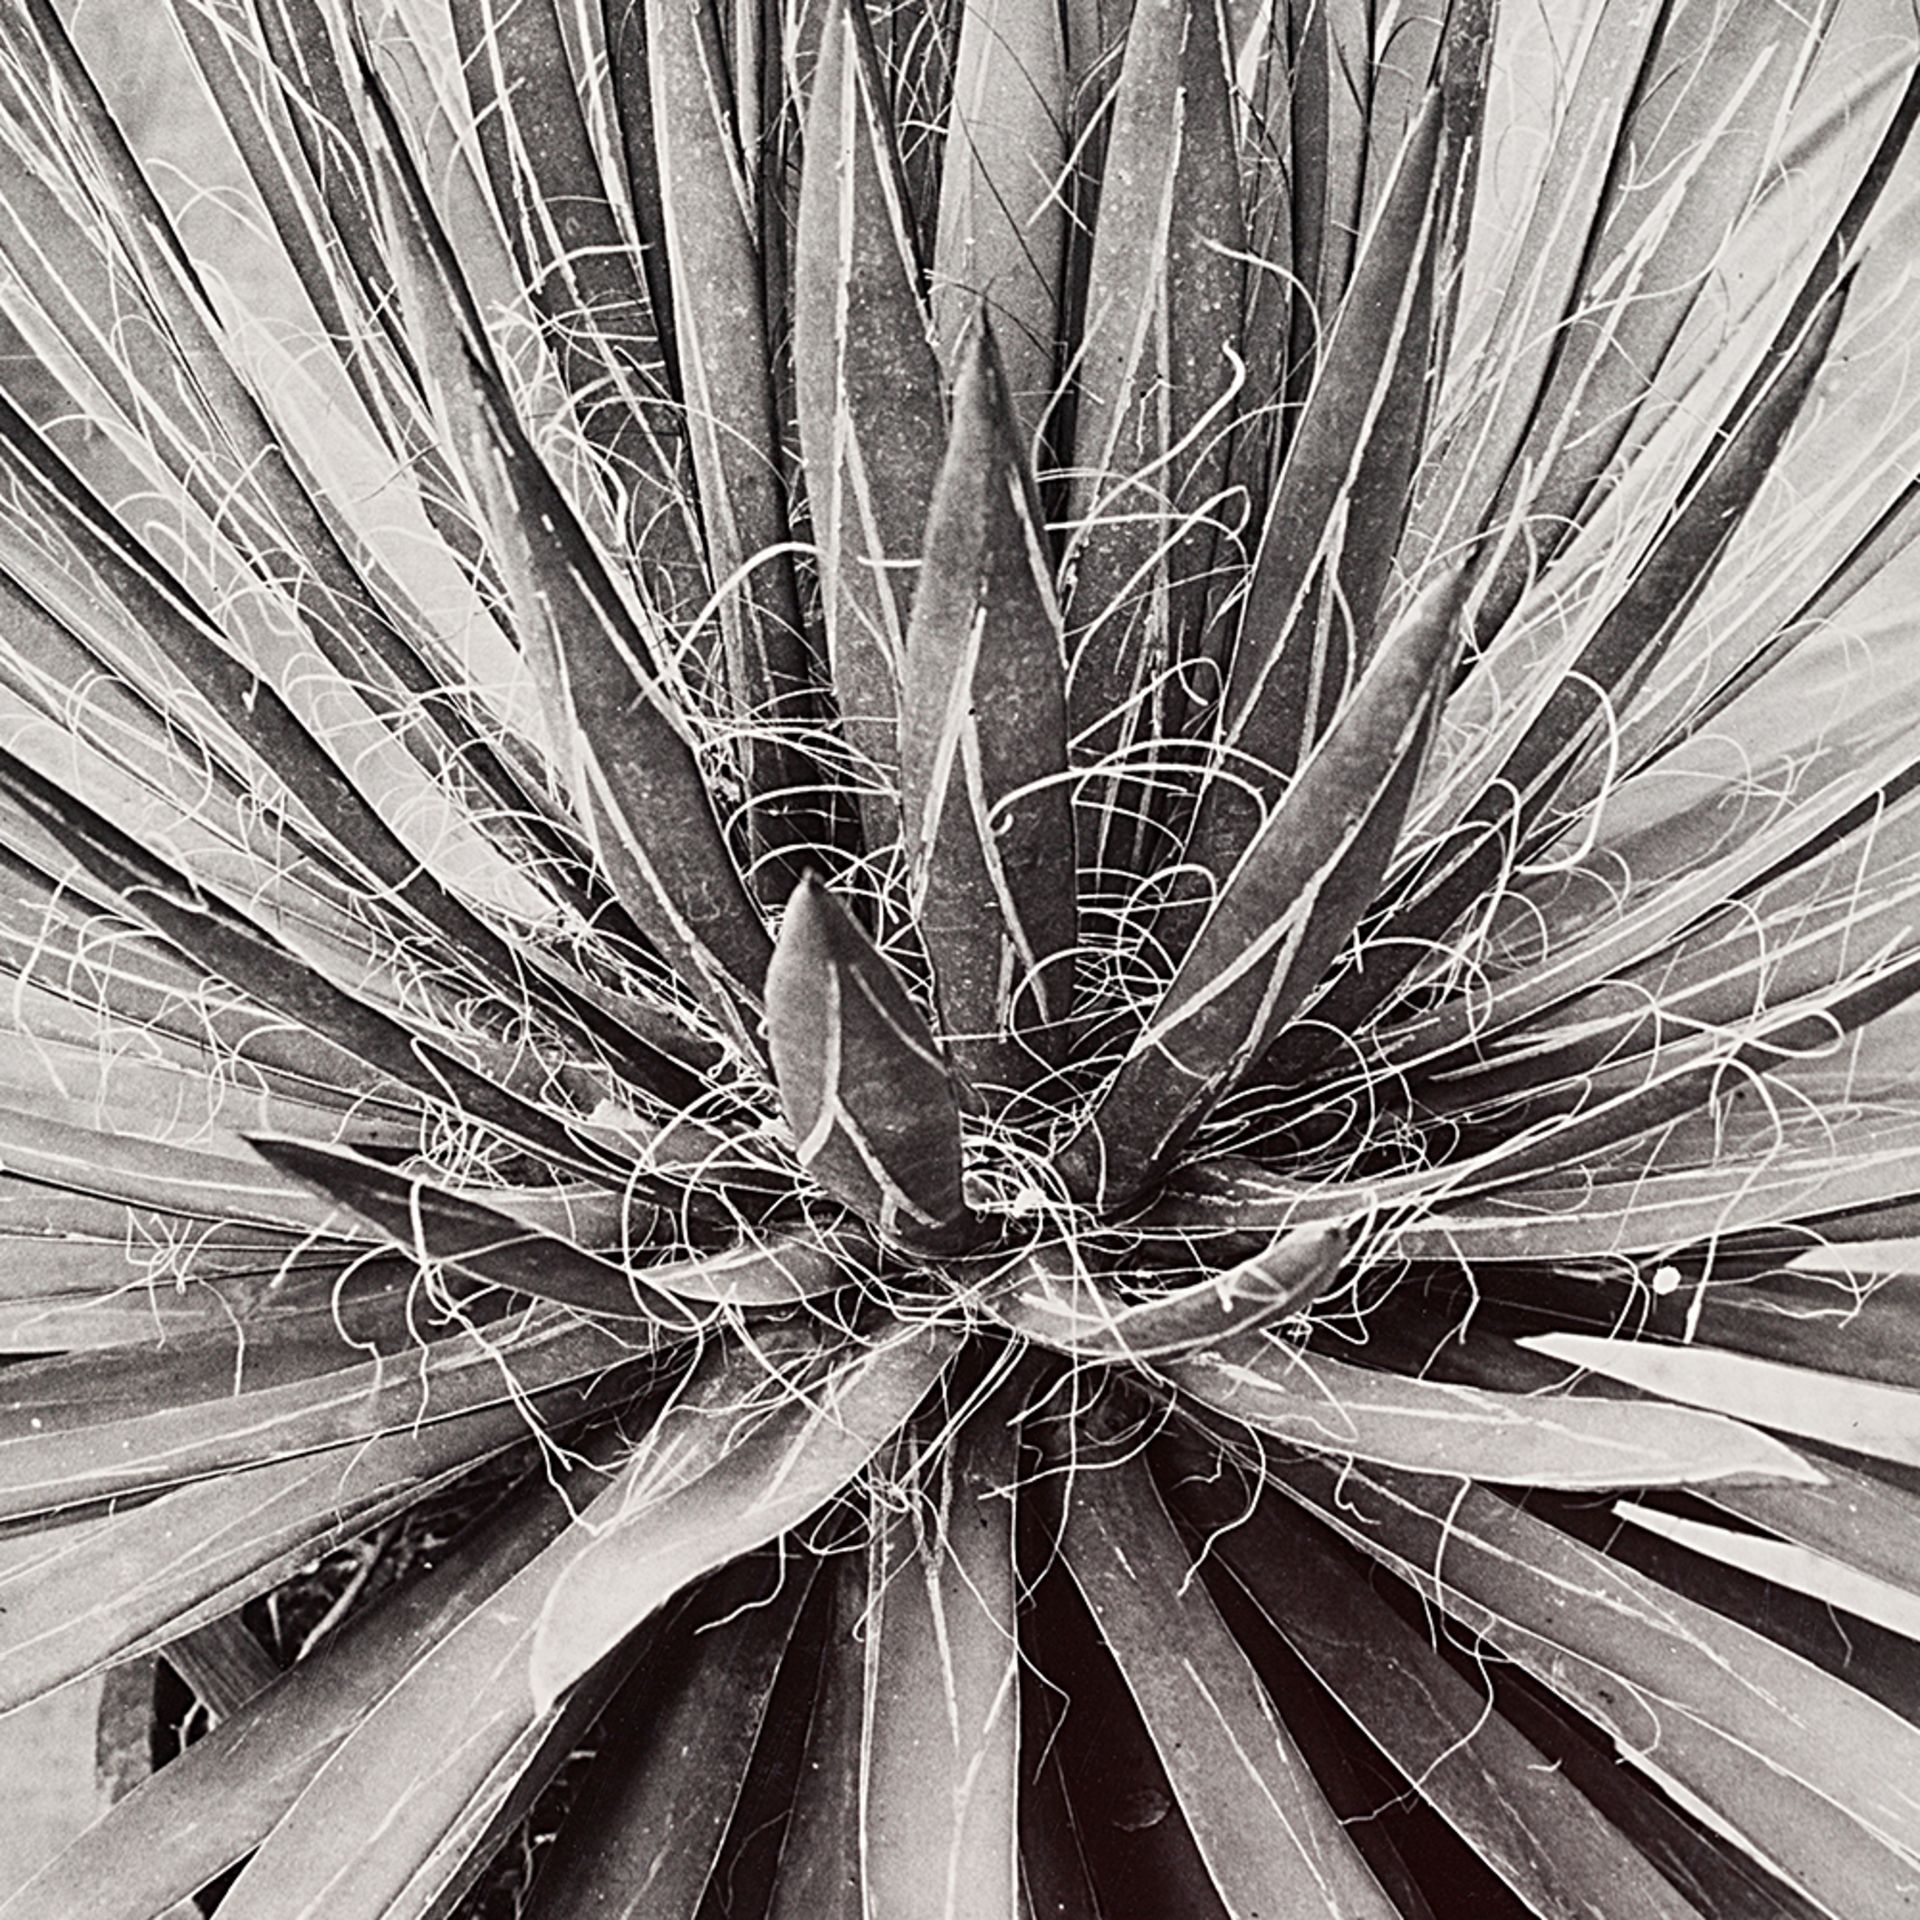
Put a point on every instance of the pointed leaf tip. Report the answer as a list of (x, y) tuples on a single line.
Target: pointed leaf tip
[(1075, 1312), (983, 751), (861, 1078)]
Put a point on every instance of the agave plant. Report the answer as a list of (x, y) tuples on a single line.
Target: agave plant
[(1043, 878)]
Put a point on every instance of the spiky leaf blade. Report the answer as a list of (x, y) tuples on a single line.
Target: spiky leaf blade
[(1000, 242), (1270, 1842), (871, 408), (1157, 374), (866, 1093), (988, 818), (1285, 910), (939, 1775)]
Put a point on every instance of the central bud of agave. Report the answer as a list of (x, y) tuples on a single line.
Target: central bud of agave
[(1011, 1131)]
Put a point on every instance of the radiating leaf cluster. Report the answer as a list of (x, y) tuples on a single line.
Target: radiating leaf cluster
[(1045, 875)]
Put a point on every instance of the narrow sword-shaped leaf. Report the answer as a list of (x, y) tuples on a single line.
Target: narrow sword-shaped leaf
[(1431, 1426), (544, 169), (1808, 1773), (138, 1172), (126, 584), (1306, 625), (645, 1835), (939, 1770), (1156, 374), (735, 1462), (714, 1478), (292, 536), (862, 1083), (1647, 619), (821, 1872), (110, 1588), (871, 413), (1857, 1519), (987, 816), (1700, 124), (613, 719), (424, 1218), (227, 946), (1863, 1416), (184, 1824), (1000, 243), (1075, 1312), (1271, 1843), (1285, 911), (118, 1452), (1492, 1786), (707, 220), (441, 1782)]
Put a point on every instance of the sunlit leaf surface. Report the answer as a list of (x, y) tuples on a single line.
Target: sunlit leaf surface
[(961, 957)]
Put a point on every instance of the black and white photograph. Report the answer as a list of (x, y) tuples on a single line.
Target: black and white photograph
[(960, 959)]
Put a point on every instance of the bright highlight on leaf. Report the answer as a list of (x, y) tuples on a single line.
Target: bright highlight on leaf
[(961, 959)]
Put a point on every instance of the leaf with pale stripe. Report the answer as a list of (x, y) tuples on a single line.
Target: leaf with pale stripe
[(865, 1090), (983, 754)]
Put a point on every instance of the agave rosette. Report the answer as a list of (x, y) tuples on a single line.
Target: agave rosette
[(1047, 869)]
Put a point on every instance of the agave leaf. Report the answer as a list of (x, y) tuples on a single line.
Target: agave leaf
[(227, 946), (1637, 1205), (1430, 1426), (1495, 1789), (1896, 1255), (1526, 291), (293, 538), (436, 1818), (1674, 884), (110, 1588), (276, 80), (1805, 1771), (107, 1450), (1104, 1834), (1072, 1311), (708, 1493), (174, 1833), (1306, 625), (739, 1457), (821, 1851), (647, 1827), (74, 986), (872, 418), (989, 823), (706, 227), (1779, 1319), (1665, 1087), (619, 729), (1563, 720), (137, 592), (1287, 908), (1857, 1521), (1331, 81), (506, 1796), (442, 1227), (1862, 1416), (572, 258), (1156, 374), (1000, 242), (136, 1172), (1701, 120), (1270, 1841), (939, 1769), (1786, 1566), (1054, 1877), (862, 1082), (1794, 939)]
